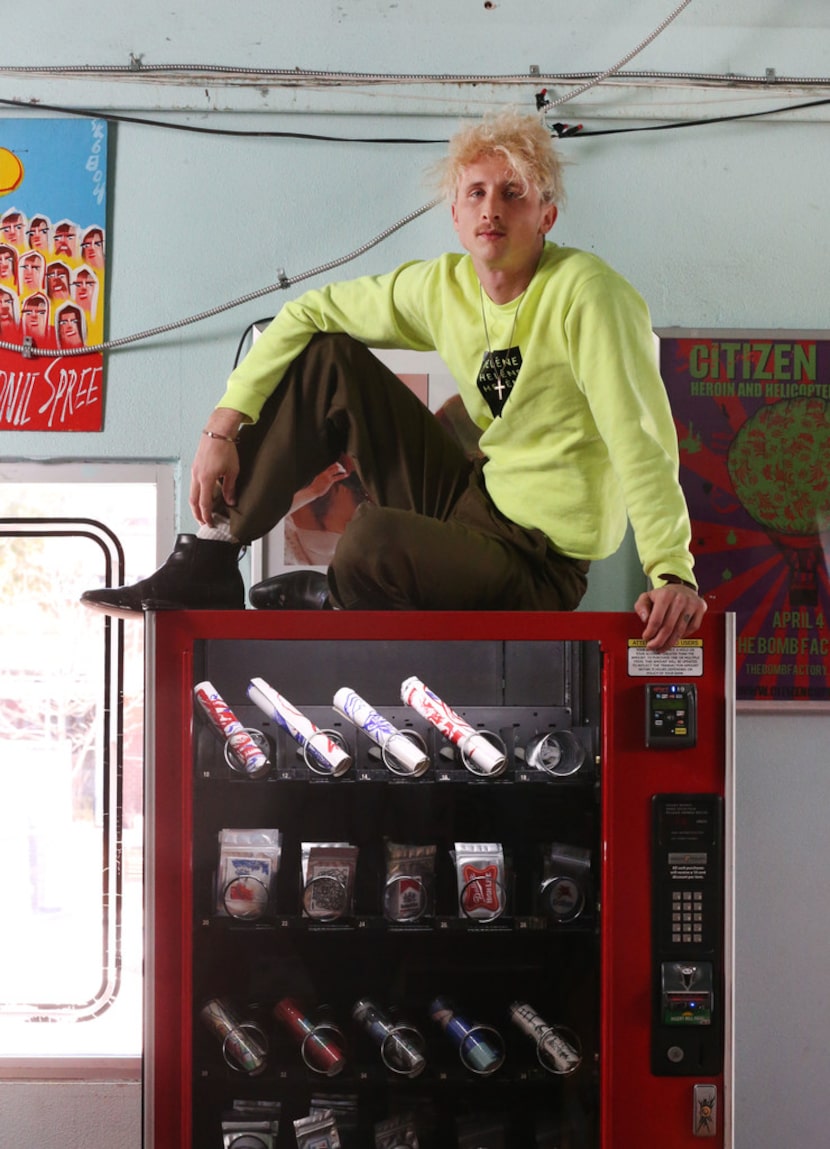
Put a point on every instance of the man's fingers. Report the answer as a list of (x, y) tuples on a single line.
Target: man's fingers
[(669, 614)]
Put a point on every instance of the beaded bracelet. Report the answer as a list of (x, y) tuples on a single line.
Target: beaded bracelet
[(224, 438)]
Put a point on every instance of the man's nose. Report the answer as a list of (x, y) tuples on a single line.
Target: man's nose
[(490, 207)]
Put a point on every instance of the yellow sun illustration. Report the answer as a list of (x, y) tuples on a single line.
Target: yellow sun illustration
[(11, 171)]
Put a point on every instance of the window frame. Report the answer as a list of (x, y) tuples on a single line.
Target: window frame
[(78, 1066)]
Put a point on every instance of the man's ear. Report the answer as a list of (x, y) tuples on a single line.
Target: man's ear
[(548, 218)]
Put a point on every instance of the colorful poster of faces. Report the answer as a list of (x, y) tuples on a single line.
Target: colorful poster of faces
[(53, 262)]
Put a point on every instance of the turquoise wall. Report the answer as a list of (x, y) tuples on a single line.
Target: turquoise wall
[(724, 225), (717, 226)]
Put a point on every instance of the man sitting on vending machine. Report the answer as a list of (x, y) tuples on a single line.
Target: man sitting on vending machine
[(554, 358)]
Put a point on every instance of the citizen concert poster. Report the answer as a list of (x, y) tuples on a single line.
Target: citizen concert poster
[(52, 270), (319, 514), (752, 411)]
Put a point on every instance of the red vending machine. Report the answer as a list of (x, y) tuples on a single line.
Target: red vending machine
[(437, 880)]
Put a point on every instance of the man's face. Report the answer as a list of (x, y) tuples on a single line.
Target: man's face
[(13, 230), (84, 288), (6, 306), (502, 229), (92, 249), (65, 238), (6, 265), (35, 317), (57, 282), (31, 268), (38, 235), (69, 330)]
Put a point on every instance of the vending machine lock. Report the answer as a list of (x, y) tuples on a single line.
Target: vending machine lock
[(705, 1111)]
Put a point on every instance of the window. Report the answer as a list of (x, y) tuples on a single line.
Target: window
[(71, 757)]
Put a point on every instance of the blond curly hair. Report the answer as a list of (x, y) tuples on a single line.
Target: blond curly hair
[(521, 140)]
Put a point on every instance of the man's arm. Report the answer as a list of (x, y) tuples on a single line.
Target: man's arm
[(614, 350), (216, 461), (366, 308)]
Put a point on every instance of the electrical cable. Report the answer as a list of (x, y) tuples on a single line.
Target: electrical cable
[(254, 133), (138, 67), (90, 113), (111, 117), (282, 283), (190, 74), (674, 125), (244, 336), (661, 27)]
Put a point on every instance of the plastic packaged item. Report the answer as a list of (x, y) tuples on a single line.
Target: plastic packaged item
[(249, 861), (319, 1131), (409, 889), (328, 874), (397, 1133), (251, 1125), (565, 888), (480, 876)]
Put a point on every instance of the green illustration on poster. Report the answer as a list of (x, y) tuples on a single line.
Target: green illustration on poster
[(752, 411)]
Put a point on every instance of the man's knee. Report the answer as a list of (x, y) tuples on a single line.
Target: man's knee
[(370, 566)]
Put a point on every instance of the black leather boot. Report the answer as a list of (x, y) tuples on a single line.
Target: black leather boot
[(199, 574), (294, 590)]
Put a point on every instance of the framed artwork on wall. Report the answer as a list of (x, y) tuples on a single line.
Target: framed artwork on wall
[(53, 260), (307, 536), (752, 410)]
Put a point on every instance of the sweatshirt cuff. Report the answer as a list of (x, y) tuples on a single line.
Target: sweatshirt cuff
[(665, 579)]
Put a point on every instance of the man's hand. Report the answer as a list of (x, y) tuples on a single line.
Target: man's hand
[(216, 461), (670, 613)]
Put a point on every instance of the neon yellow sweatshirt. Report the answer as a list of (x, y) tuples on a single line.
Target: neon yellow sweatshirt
[(586, 435)]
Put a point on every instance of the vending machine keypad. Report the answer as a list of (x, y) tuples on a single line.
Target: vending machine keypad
[(687, 901)]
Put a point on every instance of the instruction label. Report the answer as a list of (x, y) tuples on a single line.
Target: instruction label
[(683, 661)]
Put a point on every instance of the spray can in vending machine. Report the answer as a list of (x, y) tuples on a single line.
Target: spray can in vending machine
[(401, 1045)]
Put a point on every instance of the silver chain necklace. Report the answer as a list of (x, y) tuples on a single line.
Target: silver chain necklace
[(499, 381)]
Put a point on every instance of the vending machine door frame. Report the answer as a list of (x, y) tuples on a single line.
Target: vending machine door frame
[(637, 1107)]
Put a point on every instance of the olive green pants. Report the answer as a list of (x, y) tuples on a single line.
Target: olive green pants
[(429, 538)]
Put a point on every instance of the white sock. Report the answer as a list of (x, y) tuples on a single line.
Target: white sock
[(220, 532)]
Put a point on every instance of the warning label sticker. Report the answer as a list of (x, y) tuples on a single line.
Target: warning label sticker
[(683, 661)]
